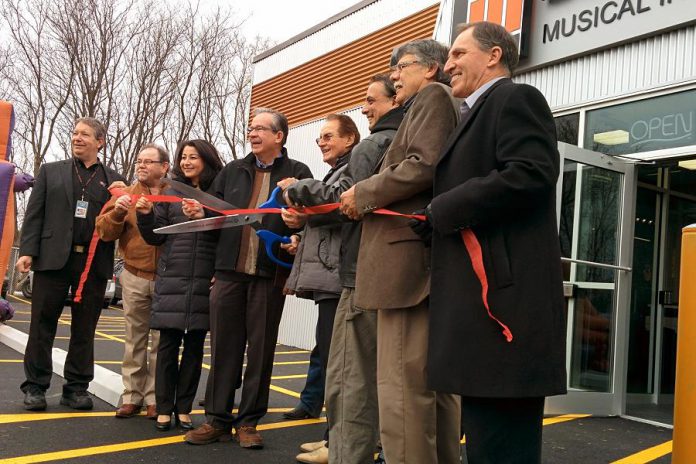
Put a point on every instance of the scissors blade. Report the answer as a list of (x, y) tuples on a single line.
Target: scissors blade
[(212, 223), (203, 197)]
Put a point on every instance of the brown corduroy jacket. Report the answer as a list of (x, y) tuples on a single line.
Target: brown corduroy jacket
[(112, 224), (393, 264)]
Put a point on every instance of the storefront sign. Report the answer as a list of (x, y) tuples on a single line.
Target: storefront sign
[(658, 123), (565, 28)]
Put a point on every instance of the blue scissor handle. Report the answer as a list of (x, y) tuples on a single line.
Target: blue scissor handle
[(269, 239), (273, 200)]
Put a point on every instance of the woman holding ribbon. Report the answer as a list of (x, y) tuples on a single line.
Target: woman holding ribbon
[(182, 286)]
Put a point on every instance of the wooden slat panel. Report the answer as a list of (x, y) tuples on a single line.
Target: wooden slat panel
[(337, 80)]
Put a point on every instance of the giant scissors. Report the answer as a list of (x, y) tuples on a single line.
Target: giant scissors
[(268, 238)]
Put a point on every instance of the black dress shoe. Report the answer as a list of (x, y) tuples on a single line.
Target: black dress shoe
[(77, 400), (163, 426), (298, 413), (35, 400), (185, 425)]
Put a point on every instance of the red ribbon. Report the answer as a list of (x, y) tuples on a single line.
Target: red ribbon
[(471, 243)]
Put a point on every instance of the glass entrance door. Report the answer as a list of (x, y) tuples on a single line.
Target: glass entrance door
[(666, 202), (596, 204)]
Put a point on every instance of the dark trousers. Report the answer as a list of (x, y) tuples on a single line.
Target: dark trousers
[(241, 312), (176, 381), (50, 289), (502, 430)]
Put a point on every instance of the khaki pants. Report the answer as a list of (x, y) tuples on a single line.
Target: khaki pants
[(138, 370), (351, 384), (417, 425)]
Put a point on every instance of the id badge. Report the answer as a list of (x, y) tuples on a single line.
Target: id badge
[(81, 209)]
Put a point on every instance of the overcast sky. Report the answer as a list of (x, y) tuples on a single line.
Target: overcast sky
[(281, 19)]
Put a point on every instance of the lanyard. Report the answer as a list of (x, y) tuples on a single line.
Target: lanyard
[(79, 178)]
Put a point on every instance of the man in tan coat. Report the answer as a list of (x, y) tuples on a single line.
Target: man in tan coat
[(417, 425), (118, 221)]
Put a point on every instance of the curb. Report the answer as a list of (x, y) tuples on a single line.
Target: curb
[(106, 386)]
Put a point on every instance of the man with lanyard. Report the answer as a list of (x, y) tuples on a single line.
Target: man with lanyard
[(56, 249), (246, 300), (119, 222)]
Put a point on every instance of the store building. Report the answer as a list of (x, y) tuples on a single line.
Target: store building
[(620, 77)]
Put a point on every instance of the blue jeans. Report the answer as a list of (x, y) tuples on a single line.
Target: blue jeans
[(312, 396)]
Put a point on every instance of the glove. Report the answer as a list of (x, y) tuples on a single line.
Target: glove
[(423, 229)]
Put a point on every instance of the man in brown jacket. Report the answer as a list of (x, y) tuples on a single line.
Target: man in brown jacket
[(118, 221), (417, 425)]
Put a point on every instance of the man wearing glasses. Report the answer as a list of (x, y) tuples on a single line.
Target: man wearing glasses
[(58, 226), (118, 222), (417, 425), (246, 300)]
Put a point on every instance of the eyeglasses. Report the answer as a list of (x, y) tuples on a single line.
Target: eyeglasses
[(326, 138), (404, 64), (147, 162), (259, 129)]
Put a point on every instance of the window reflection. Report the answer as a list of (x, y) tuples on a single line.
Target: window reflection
[(592, 334)]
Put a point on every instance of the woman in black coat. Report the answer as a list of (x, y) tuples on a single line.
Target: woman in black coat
[(182, 286)]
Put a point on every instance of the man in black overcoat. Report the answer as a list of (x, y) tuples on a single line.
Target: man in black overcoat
[(497, 178), (58, 226)]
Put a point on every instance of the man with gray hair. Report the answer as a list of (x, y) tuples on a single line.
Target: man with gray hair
[(495, 190), (246, 300), (417, 425), (118, 221)]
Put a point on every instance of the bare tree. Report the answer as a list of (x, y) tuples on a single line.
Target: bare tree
[(40, 78), (150, 72)]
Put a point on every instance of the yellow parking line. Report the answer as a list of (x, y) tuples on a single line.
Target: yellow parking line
[(11, 360), (564, 418), (13, 418), (647, 455), (292, 352), (285, 391), (286, 377), (118, 447), (43, 416)]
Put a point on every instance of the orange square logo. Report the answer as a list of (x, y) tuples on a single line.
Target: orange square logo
[(508, 13)]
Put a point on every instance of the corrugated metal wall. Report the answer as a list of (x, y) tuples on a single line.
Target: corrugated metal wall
[(370, 19), (300, 316), (336, 81), (646, 64)]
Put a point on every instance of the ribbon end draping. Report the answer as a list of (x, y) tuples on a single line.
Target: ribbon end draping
[(473, 247)]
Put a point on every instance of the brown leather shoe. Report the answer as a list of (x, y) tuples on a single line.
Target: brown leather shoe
[(206, 434), (151, 412), (249, 437), (127, 410)]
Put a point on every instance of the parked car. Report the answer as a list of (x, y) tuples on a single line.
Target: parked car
[(118, 290), (26, 284)]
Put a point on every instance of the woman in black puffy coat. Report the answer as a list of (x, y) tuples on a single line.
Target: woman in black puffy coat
[(182, 286)]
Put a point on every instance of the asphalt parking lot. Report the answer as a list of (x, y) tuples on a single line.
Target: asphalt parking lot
[(62, 435)]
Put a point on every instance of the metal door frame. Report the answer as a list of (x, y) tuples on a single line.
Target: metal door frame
[(612, 402)]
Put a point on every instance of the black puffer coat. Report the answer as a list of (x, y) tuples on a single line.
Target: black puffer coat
[(186, 265)]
